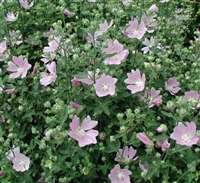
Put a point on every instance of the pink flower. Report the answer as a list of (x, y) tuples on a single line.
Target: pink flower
[(135, 81), (92, 39), (144, 139), (118, 175), (75, 105), (192, 96), (68, 13), (135, 30), (20, 161), (83, 133), (153, 8), (19, 66), (125, 2), (3, 47), (144, 166), (48, 33), (75, 82), (10, 91), (126, 155), (53, 45), (25, 4), (172, 85), (153, 98), (103, 28), (48, 78), (163, 144), (105, 85), (119, 54), (47, 133), (150, 22), (90, 79), (185, 134), (11, 17), (148, 44)]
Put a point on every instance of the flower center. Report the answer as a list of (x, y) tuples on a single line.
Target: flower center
[(120, 175), (135, 33), (22, 163), (186, 138), (138, 83), (80, 132), (105, 86), (20, 70)]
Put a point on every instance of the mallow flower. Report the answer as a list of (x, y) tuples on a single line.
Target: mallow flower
[(185, 134), (172, 85), (83, 133), (135, 81), (19, 66), (119, 175)]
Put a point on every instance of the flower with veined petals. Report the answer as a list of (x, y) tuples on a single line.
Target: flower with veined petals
[(48, 78), (83, 133), (20, 161), (153, 8), (105, 85), (11, 17), (172, 85), (144, 139), (135, 81), (126, 155), (19, 66), (115, 48), (153, 98), (185, 134), (118, 175), (148, 44), (25, 4), (135, 30)]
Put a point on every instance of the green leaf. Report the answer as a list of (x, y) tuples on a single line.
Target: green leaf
[(112, 146)]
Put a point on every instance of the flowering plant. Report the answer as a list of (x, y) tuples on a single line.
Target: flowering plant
[(99, 91)]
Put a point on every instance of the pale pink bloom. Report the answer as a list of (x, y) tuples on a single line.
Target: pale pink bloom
[(144, 139), (75, 82), (47, 133), (105, 85), (118, 175), (3, 47), (48, 78), (148, 44), (83, 133), (68, 13), (103, 28), (19, 66), (92, 39), (24, 4), (135, 81), (144, 166), (192, 96), (90, 79), (115, 48), (185, 134), (149, 22), (75, 105), (163, 144), (53, 45), (126, 155), (161, 128), (135, 30), (48, 33), (20, 161), (153, 8), (172, 85), (153, 98), (11, 17)]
